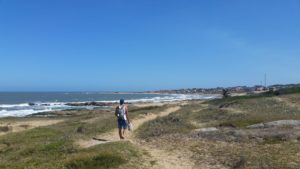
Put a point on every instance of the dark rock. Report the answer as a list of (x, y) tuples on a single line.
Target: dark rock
[(91, 104), (227, 125), (226, 105), (81, 129)]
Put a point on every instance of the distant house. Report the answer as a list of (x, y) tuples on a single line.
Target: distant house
[(272, 89), (260, 88)]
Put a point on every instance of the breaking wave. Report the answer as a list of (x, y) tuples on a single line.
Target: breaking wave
[(24, 109)]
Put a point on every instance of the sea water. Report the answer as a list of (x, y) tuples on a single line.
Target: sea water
[(26, 103)]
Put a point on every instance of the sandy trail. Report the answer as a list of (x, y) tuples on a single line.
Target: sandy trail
[(163, 159), (113, 136), (168, 159)]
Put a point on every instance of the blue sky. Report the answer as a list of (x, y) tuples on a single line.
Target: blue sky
[(126, 45)]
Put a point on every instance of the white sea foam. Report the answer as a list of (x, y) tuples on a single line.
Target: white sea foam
[(20, 113), (166, 98), (170, 98), (13, 105), (24, 109)]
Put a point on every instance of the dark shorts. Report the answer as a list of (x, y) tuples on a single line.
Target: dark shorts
[(122, 124)]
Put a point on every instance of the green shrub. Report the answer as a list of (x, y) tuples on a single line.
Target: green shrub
[(97, 162)]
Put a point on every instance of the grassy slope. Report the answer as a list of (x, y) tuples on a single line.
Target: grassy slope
[(250, 111), (243, 111), (52, 146)]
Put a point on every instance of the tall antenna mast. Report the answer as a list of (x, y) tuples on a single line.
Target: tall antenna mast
[(265, 80)]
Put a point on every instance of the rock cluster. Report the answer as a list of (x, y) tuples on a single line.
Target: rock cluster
[(282, 130), (91, 104), (279, 123)]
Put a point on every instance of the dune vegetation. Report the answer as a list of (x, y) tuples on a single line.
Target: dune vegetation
[(53, 146), (216, 133), (201, 134)]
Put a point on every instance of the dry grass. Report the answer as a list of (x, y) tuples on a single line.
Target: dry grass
[(175, 131), (4, 128), (249, 156), (53, 146)]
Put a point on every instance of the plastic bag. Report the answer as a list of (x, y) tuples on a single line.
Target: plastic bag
[(130, 126)]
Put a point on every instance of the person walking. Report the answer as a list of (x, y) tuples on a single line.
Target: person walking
[(122, 117)]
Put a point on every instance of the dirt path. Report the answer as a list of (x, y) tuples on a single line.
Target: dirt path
[(162, 159), (113, 136)]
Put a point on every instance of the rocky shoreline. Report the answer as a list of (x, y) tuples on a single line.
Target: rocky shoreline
[(98, 104)]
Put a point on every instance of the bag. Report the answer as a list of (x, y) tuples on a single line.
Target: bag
[(121, 113), (130, 126)]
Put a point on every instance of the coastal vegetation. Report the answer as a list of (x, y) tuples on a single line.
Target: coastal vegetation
[(218, 132), (250, 131), (53, 146)]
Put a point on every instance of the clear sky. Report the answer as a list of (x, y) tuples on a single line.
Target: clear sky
[(126, 45)]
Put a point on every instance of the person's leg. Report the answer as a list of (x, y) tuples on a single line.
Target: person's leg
[(121, 133), (124, 127), (120, 129)]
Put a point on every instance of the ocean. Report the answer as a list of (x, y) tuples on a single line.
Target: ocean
[(25, 103)]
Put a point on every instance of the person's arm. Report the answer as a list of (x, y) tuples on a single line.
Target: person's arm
[(116, 112), (126, 109)]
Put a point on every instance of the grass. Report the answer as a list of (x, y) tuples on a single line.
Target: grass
[(136, 112), (49, 148), (292, 90), (106, 123), (4, 129), (292, 99), (173, 123), (262, 110), (152, 163), (106, 156), (53, 146), (38, 147), (284, 91), (162, 126), (99, 161), (252, 111), (238, 98), (241, 112), (249, 156)]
